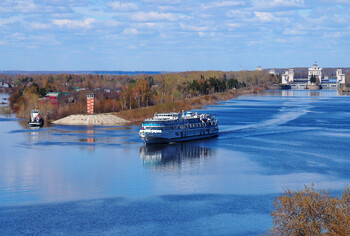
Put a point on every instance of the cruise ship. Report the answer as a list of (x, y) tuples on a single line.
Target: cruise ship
[(177, 127)]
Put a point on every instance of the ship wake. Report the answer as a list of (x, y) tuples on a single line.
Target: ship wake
[(285, 115)]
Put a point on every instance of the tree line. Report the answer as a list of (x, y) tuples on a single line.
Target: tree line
[(114, 93)]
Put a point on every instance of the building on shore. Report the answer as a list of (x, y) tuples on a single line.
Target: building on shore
[(313, 81), (272, 72), (288, 77), (340, 78), (316, 72)]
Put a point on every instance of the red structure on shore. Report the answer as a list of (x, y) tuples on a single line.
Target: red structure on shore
[(90, 100)]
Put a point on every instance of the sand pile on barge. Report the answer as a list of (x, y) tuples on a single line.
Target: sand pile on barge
[(97, 119)]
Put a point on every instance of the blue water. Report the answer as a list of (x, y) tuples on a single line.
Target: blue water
[(104, 180)]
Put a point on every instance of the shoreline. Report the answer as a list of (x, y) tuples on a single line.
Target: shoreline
[(137, 115), (104, 119)]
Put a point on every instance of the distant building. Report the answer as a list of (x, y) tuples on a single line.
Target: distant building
[(52, 98), (272, 72), (79, 89), (340, 77), (259, 68), (288, 77), (315, 71), (53, 95)]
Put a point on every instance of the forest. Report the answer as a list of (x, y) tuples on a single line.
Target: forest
[(125, 93)]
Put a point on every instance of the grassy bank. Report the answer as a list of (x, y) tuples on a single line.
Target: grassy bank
[(139, 114)]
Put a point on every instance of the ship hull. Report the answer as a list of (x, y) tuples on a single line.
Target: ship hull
[(159, 140), (184, 135), (36, 124), (286, 86)]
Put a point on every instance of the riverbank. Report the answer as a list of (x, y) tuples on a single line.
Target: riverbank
[(139, 114), (95, 119)]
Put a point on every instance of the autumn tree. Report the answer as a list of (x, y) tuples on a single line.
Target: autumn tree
[(311, 212)]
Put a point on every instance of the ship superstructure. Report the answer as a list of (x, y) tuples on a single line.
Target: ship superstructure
[(176, 127), (35, 119)]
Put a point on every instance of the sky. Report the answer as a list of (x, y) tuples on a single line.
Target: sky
[(173, 35)]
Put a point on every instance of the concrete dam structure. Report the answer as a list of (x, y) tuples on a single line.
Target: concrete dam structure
[(314, 80)]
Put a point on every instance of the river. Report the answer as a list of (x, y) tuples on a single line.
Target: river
[(106, 181)]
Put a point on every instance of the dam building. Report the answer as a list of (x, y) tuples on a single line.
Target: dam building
[(314, 77), (340, 78)]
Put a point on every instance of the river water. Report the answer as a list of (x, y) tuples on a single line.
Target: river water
[(268, 142)]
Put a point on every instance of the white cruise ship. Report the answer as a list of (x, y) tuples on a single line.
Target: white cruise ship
[(176, 127)]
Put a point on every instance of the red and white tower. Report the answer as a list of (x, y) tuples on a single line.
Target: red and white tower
[(90, 100)]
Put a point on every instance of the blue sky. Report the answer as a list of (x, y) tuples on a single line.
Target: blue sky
[(173, 35)]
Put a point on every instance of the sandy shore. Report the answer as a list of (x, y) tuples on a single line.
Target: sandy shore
[(97, 119)]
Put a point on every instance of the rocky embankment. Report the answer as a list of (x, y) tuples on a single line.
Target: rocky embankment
[(97, 119)]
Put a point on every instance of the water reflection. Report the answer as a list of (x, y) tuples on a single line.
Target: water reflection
[(287, 93), (293, 93), (34, 134), (283, 93), (314, 93), (90, 139), (174, 154)]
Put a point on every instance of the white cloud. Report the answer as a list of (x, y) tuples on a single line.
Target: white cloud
[(153, 16), (263, 4), (336, 1), (280, 40), (113, 23), (18, 6), (233, 25), (333, 35), (86, 24), (293, 32), (228, 4), (18, 36), (6, 21), (127, 6), (130, 31), (264, 16), (223, 4), (202, 34), (146, 25), (193, 28), (341, 19), (238, 13), (39, 26), (162, 1)]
